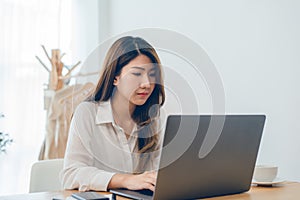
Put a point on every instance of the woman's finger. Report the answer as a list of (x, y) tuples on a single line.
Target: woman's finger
[(149, 186)]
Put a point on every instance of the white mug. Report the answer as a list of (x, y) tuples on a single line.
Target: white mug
[(265, 173)]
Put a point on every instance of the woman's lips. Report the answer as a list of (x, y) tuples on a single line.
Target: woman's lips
[(143, 94)]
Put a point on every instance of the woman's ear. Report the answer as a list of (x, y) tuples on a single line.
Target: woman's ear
[(116, 80)]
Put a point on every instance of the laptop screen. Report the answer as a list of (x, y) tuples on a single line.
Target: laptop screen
[(207, 155)]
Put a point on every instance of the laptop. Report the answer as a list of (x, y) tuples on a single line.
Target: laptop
[(205, 156)]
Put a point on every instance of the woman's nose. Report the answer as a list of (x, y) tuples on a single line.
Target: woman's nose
[(146, 82)]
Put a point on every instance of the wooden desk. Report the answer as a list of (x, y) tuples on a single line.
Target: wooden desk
[(285, 191)]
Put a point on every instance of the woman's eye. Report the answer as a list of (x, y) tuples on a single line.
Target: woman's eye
[(136, 74), (152, 74)]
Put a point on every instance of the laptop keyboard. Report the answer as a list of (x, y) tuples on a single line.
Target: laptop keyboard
[(145, 192)]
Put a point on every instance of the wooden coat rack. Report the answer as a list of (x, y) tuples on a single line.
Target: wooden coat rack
[(56, 79), (60, 102)]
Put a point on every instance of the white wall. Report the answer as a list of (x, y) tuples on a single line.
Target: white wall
[(254, 45), (89, 29), (85, 34)]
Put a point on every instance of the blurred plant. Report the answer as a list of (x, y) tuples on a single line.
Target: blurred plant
[(4, 139)]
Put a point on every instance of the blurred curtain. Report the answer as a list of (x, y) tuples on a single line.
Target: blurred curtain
[(25, 25)]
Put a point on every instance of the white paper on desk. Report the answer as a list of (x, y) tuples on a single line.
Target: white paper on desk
[(107, 195)]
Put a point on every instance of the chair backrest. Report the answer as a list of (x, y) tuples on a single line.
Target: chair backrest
[(44, 175)]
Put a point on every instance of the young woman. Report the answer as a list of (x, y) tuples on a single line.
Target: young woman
[(114, 135)]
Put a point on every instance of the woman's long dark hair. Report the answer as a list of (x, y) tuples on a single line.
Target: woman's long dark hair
[(120, 54)]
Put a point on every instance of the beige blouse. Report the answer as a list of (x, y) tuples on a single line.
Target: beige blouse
[(97, 148)]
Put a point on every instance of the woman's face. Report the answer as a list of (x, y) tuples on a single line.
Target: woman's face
[(137, 80)]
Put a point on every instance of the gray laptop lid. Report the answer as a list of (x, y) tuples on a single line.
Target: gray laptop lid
[(224, 166)]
